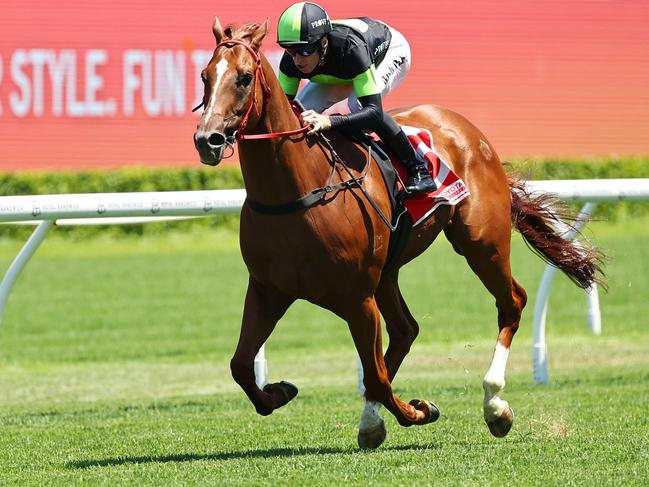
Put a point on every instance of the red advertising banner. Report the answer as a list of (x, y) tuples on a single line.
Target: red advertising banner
[(105, 84)]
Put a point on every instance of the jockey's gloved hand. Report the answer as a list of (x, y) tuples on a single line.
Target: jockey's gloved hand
[(318, 121)]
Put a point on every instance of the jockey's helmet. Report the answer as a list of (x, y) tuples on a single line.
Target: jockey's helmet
[(301, 24)]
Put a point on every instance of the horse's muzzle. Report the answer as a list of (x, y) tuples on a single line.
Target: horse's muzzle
[(210, 147)]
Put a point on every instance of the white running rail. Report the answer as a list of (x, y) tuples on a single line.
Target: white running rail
[(112, 208), (590, 191)]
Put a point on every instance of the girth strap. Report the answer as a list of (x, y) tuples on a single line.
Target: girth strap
[(307, 201)]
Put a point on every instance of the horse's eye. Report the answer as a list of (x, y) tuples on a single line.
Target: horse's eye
[(204, 76), (244, 79)]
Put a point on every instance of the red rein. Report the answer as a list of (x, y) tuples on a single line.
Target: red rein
[(261, 78)]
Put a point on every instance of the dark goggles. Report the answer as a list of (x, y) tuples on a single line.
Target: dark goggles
[(301, 49)]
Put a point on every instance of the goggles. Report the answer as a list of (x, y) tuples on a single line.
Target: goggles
[(301, 49)]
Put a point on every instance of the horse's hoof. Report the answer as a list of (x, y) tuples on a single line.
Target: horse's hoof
[(431, 410), (501, 425), (372, 438), (286, 390)]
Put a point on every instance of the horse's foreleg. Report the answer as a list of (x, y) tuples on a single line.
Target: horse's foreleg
[(263, 307), (402, 329), (365, 326)]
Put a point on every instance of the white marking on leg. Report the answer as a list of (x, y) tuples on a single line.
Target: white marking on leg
[(370, 417), (221, 68), (494, 383)]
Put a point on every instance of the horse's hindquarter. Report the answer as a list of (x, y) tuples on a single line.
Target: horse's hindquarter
[(468, 152), (341, 241), (463, 147), (460, 143)]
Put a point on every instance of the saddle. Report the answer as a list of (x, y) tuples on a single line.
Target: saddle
[(411, 210), (420, 206)]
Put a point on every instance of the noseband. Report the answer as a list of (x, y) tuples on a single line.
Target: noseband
[(259, 77)]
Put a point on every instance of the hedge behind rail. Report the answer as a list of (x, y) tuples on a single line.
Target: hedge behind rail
[(136, 179)]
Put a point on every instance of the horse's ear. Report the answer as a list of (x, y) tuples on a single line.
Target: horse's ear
[(258, 35), (217, 30)]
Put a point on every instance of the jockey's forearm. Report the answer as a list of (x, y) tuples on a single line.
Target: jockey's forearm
[(369, 117)]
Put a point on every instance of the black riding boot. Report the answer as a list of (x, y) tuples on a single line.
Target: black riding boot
[(419, 180)]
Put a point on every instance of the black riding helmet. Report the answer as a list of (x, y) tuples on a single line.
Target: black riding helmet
[(302, 25)]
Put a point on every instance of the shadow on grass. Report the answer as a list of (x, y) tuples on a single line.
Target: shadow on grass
[(235, 455)]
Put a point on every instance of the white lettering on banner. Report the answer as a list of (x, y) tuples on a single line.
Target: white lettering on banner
[(73, 107), (20, 103), (57, 76), (41, 82), (38, 58), (94, 82), (174, 69), (58, 71), (159, 76), (131, 80)]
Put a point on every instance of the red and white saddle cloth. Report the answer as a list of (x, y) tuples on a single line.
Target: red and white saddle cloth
[(450, 188)]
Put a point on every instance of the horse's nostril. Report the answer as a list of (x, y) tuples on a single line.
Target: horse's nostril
[(216, 140)]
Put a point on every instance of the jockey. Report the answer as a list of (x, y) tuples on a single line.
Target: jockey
[(355, 62)]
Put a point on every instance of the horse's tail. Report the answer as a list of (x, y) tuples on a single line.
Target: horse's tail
[(544, 222)]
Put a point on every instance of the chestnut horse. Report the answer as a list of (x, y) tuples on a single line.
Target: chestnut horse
[(333, 253)]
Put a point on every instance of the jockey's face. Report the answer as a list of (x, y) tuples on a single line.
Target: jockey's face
[(306, 62)]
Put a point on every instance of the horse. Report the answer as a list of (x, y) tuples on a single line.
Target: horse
[(332, 252)]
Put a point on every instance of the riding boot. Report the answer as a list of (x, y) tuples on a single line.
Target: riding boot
[(419, 180)]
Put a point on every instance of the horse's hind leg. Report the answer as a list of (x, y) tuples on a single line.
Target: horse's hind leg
[(497, 413), (263, 307), (483, 237), (401, 326)]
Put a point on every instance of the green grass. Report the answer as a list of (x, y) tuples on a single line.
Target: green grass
[(114, 371)]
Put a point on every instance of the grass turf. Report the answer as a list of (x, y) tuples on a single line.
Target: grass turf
[(114, 370)]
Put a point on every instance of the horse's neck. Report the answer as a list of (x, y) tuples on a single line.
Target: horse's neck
[(277, 170)]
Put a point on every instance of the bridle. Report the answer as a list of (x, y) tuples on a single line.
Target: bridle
[(259, 78)]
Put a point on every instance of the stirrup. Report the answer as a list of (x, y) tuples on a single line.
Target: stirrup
[(420, 182)]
